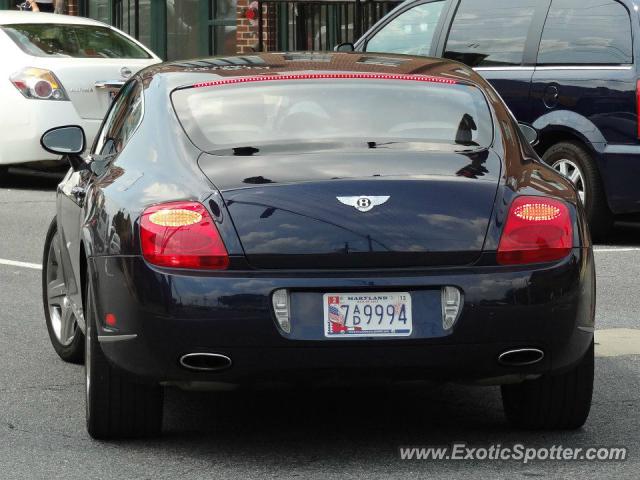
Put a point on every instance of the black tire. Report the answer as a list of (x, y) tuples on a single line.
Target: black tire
[(72, 352), (116, 405), (4, 175), (552, 402), (599, 216)]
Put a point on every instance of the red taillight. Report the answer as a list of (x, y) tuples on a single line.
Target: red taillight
[(537, 230), (182, 235), (110, 320), (40, 84)]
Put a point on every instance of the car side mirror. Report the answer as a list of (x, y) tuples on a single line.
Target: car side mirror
[(530, 133), (344, 47), (68, 141)]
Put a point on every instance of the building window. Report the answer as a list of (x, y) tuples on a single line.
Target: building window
[(197, 28), (134, 18), (100, 10), (183, 17), (144, 24), (186, 28), (222, 27)]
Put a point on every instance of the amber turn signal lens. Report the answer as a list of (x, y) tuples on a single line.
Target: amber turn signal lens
[(537, 212), (175, 218)]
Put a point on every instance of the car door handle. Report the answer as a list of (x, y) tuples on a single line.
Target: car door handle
[(109, 84), (551, 97)]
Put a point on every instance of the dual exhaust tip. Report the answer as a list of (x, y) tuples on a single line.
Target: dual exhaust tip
[(213, 362), (521, 357), (205, 362)]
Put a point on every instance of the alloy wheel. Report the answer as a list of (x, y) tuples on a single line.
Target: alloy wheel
[(63, 320), (571, 171)]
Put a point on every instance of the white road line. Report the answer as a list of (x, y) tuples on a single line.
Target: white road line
[(617, 342), (622, 249), (13, 263)]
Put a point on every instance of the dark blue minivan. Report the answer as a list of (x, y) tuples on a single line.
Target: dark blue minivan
[(567, 67)]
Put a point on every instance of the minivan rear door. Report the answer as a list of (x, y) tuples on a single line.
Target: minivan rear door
[(585, 69), (499, 41)]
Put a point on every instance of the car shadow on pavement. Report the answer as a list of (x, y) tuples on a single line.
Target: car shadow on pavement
[(338, 426), (624, 234)]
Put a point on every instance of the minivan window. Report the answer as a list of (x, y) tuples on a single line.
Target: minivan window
[(76, 41), (368, 112), (490, 32), (410, 33), (586, 32)]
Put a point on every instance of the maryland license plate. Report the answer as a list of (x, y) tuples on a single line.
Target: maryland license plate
[(367, 314)]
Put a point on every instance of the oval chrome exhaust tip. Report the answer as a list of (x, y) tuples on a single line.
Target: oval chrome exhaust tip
[(521, 357), (205, 362)]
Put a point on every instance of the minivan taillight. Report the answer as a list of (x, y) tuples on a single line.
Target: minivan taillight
[(537, 229), (182, 235)]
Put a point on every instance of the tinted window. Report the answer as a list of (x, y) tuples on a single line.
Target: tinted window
[(122, 120), (77, 41), (361, 112), (586, 31), (490, 32), (410, 32)]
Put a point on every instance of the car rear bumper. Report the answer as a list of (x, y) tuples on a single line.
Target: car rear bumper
[(22, 129), (162, 315)]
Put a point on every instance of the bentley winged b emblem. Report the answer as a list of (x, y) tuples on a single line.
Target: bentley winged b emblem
[(363, 203)]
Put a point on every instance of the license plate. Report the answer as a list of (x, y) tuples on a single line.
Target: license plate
[(367, 314)]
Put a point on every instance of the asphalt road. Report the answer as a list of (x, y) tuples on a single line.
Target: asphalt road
[(328, 434)]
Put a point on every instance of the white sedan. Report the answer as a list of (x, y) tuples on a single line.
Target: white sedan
[(58, 70)]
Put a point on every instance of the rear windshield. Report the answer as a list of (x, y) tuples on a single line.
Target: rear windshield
[(76, 41), (372, 111)]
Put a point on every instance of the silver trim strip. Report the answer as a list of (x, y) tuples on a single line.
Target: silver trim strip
[(537, 351), (219, 356), (554, 67), (116, 338), (504, 69), (587, 67)]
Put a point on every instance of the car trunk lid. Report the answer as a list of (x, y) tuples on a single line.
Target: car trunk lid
[(307, 211), (93, 83)]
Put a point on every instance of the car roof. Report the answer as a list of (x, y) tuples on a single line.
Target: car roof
[(186, 72), (12, 17)]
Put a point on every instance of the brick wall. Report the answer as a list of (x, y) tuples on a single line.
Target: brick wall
[(71, 7), (247, 32)]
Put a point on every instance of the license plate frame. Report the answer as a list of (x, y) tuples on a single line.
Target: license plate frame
[(345, 321)]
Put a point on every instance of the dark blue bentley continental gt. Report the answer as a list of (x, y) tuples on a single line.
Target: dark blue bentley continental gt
[(312, 218)]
